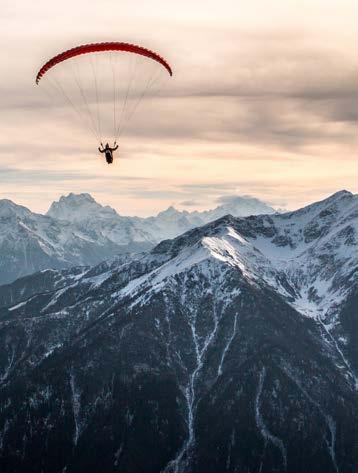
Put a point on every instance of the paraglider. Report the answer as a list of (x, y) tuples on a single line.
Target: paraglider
[(108, 151), (104, 83)]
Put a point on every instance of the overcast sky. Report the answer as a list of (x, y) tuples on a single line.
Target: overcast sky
[(263, 101)]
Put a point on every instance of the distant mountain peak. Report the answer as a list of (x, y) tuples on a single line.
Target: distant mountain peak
[(343, 194), (341, 198), (170, 211), (237, 206), (72, 197), (9, 208), (78, 207)]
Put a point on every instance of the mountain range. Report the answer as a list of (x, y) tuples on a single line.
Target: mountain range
[(78, 231), (230, 348)]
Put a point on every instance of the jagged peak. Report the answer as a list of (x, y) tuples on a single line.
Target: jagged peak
[(343, 194), (82, 197), (171, 210), (9, 208), (78, 206), (335, 198)]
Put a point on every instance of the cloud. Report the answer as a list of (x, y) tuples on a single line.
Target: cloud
[(283, 89), (190, 203), (227, 199)]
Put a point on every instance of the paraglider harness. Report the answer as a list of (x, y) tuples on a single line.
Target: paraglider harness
[(108, 152)]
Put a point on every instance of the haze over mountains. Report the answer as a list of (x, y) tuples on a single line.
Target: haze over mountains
[(78, 231), (232, 347)]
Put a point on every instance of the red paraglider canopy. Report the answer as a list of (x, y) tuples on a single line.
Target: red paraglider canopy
[(98, 47)]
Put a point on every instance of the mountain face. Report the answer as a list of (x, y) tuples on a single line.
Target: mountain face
[(237, 207), (31, 242), (171, 222), (231, 348), (79, 231)]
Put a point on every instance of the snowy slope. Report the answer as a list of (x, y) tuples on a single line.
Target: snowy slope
[(309, 256)]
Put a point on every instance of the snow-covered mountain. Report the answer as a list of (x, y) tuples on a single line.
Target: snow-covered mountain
[(237, 206), (79, 231), (31, 242), (229, 348), (77, 207), (167, 224)]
